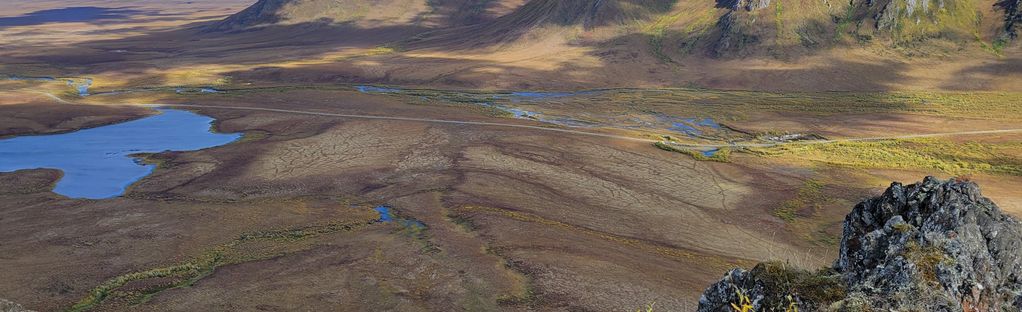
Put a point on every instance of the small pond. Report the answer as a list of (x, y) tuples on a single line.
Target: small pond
[(97, 163)]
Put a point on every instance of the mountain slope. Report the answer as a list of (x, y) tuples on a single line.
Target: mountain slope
[(722, 28), (745, 44), (287, 12), (535, 15), (363, 13)]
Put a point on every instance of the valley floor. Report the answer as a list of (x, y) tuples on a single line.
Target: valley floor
[(515, 217), (604, 199)]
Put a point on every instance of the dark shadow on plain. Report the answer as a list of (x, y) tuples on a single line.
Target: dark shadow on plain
[(69, 15)]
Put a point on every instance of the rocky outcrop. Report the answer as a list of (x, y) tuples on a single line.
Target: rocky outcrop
[(732, 26), (772, 287), (747, 5), (1012, 18), (931, 246)]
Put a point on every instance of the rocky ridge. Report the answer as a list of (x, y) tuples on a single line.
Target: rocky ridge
[(1012, 18), (931, 246)]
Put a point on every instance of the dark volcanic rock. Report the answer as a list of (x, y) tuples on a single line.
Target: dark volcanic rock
[(733, 33), (772, 287), (1012, 17), (932, 246), (748, 5), (735, 284), (935, 246)]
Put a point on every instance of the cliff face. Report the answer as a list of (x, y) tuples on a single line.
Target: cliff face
[(931, 246), (738, 28)]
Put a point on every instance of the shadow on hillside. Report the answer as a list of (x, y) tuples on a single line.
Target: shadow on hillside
[(537, 14), (837, 75)]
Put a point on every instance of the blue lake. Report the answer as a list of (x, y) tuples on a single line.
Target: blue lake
[(96, 162)]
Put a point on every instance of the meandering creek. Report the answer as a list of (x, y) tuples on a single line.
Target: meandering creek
[(514, 103), (97, 162)]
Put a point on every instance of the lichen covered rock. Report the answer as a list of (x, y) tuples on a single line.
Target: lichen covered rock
[(931, 246), (935, 246)]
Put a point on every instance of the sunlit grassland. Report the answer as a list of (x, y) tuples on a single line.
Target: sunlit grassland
[(994, 105), (656, 31), (955, 158), (949, 16), (733, 105), (670, 31)]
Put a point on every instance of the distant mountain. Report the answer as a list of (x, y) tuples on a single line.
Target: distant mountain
[(630, 42), (431, 13), (539, 14), (739, 27), (788, 24)]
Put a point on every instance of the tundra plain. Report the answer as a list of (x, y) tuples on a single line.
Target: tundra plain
[(515, 179)]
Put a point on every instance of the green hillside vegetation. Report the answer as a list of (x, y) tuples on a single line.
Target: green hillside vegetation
[(929, 154)]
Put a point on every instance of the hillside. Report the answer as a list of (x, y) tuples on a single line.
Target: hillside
[(537, 15), (724, 28), (795, 44), (376, 13), (288, 12)]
